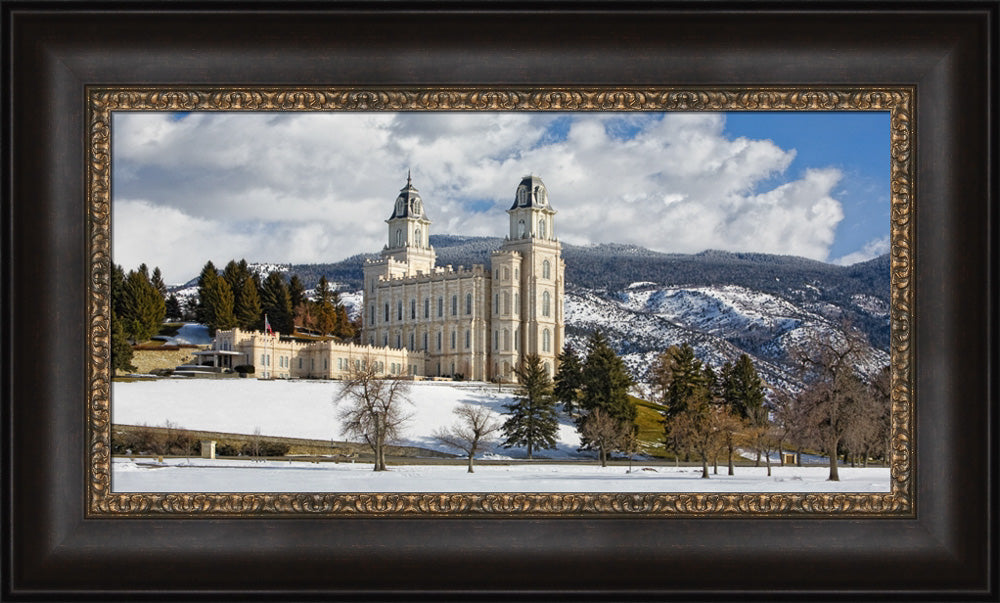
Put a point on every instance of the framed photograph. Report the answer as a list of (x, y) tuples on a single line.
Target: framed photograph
[(520, 187)]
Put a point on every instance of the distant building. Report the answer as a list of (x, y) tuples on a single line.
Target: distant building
[(275, 358), (420, 319)]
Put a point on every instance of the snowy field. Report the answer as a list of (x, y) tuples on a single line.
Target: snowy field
[(225, 475), (306, 409), (303, 409)]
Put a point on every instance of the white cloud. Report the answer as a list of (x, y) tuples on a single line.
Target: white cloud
[(317, 187), (872, 249)]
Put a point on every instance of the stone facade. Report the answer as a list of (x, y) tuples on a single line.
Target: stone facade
[(274, 358), (472, 322)]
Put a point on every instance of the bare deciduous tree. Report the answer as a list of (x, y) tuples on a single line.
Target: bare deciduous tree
[(472, 431), (829, 362), (603, 431), (373, 408)]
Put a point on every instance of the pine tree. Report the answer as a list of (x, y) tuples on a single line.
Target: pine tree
[(605, 381), (121, 351), (604, 384), (743, 390), (173, 308), (157, 281), (679, 376), (220, 298), (324, 312), (143, 308), (296, 291), (276, 303), (247, 305), (532, 422), (204, 313), (117, 288), (568, 379)]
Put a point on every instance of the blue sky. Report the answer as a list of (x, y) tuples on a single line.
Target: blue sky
[(312, 188)]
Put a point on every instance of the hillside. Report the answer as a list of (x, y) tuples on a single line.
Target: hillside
[(722, 303)]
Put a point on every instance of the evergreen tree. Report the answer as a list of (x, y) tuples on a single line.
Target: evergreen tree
[(569, 379), (679, 376), (604, 381), (743, 390), (296, 291), (220, 298), (121, 351), (276, 303), (143, 308), (204, 313), (247, 305), (532, 422), (157, 281), (173, 308), (117, 288), (324, 315), (246, 301)]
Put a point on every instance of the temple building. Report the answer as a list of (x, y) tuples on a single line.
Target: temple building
[(474, 322), (424, 320)]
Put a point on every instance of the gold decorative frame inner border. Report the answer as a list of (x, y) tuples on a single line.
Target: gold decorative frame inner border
[(103, 101)]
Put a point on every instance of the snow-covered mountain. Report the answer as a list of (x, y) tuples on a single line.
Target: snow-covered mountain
[(721, 303)]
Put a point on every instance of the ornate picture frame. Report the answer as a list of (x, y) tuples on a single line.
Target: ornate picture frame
[(898, 101)]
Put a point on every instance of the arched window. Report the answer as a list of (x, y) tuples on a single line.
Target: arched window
[(416, 238), (517, 303), (427, 307), (454, 305), (546, 300), (496, 303), (413, 309), (399, 206), (520, 229), (468, 303), (506, 340), (468, 339), (517, 337), (546, 341), (496, 340), (454, 339), (506, 273), (399, 237), (546, 269), (399, 310), (387, 312), (506, 302), (440, 307), (541, 228)]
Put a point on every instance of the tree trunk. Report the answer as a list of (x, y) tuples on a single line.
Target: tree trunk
[(767, 459), (781, 457), (756, 463), (704, 466), (798, 457), (834, 474), (604, 457), (731, 457), (470, 462)]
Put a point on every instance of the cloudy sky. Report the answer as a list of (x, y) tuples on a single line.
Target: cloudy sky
[(312, 188)]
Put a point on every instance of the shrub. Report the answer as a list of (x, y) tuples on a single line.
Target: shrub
[(244, 369)]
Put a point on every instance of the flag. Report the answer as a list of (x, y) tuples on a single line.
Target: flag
[(267, 326)]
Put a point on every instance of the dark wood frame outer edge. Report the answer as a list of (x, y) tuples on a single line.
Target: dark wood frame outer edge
[(948, 551)]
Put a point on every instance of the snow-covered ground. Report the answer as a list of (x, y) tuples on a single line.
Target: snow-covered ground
[(224, 475), (306, 409), (303, 409)]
